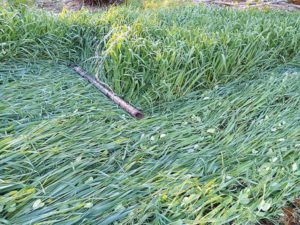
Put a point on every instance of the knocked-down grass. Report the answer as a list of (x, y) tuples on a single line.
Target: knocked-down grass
[(68, 156), (213, 155)]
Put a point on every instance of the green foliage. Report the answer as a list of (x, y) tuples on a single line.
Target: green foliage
[(167, 53), (224, 150), (17, 3), (156, 55), (67, 155)]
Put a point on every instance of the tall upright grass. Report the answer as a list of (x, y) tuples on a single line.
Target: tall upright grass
[(152, 55)]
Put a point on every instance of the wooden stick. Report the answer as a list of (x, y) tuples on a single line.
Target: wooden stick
[(108, 93)]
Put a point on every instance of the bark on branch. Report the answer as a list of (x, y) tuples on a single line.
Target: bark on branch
[(110, 94)]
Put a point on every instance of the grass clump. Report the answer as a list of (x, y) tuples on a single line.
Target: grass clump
[(157, 55), (168, 53)]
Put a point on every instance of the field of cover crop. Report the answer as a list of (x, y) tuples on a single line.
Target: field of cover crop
[(221, 136)]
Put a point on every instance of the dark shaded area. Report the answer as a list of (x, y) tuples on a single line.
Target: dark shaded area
[(102, 2)]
